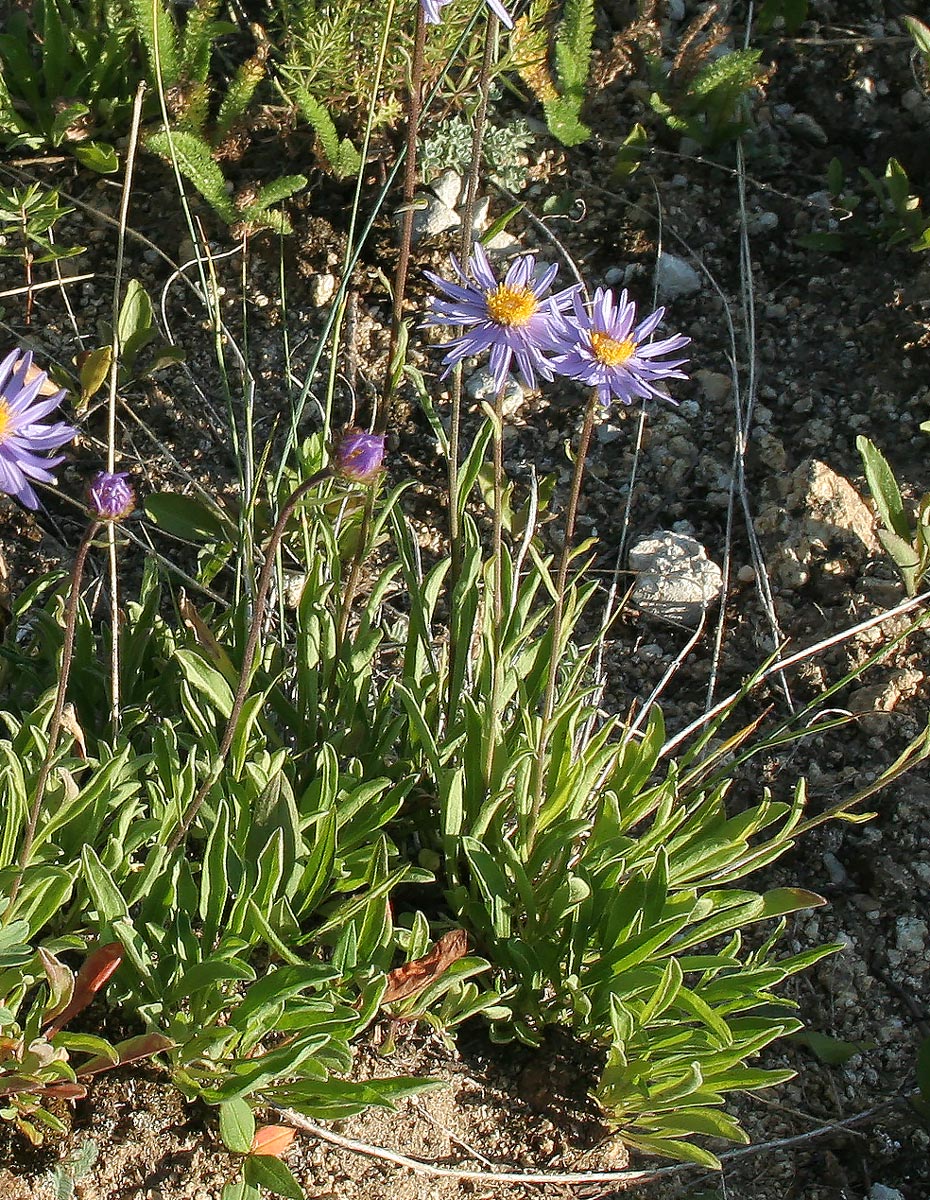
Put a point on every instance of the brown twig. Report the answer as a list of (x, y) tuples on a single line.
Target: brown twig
[(575, 1178)]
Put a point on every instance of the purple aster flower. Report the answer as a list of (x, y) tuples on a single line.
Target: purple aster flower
[(604, 349), (358, 456), (111, 497), (23, 439), (511, 319), (432, 15)]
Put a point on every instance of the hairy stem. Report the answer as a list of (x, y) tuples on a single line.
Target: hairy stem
[(558, 611), (497, 555), (414, 109), (455, 419)]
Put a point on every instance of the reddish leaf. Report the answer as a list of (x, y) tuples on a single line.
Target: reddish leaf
[(65, 1091), (272, 1140), (93, 975), (144, 1045), (416, 975)]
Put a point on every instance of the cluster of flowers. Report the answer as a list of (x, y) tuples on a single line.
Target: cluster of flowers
[(599, 344)]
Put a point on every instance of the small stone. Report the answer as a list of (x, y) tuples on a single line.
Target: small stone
[(878, 1191), (714, 386), (432, 219), (501, 244), (321, 289), (835, 869), (763, 222), (675, 277), (746, 574), (481, 386), (448, 188), (815, 524), (676, 10), (911, 935), (479, 218), (803, 126), (675, 580), (912, 100)]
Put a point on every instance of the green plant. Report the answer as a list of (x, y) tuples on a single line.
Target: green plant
[(704, 94), (900, 214), (504, 148), (200, 128), (905, 531), (66, 78), (921, 35), (572, 55), (64, 1178), (28, 217)]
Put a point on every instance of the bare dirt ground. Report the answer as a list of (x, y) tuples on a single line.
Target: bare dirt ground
[(840, 347)]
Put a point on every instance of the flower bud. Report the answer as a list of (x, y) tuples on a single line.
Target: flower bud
[(111, 497), (358, 456)]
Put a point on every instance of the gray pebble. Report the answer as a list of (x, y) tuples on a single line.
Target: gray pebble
[(675, 277)]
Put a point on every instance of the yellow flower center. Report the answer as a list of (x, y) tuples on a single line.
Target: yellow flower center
[(510, 306), (4, 419), (609, 351)]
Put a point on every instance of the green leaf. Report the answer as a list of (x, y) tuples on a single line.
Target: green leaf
[(237, 1126), (188, 517), (207, 680), (830, 1050), (97, 156), (107, 897), (240, 1190), (920, 33), (630, 154), (884, 488), (265, 1171), (94, 372), (134, 325), (195, 160)]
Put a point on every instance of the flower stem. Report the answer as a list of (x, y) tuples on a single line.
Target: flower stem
[(539, 767), (248, 658), (414, 109), (497, 555), (455, 418), (54, 728)]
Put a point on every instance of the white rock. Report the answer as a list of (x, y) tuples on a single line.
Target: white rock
[(480, 216), (434, 218), (448, 188), (501, 244), (675, 277), (675, 580), (481, 386), (321, 289)]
